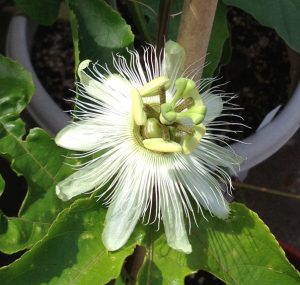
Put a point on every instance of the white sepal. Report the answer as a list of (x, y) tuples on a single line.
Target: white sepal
[(81, 136)]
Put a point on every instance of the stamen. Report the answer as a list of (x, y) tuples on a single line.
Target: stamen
[(150, 111), (159, 145), (185, 104), (165, 132), (152, 88), (139, 115), (187, 129), (162, 95)]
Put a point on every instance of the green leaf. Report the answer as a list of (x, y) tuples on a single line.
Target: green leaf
[(43, 12), (219, 35), (2, 185), (101, 30), (37, 158), (240, 251), (72, 252), (281, 15)]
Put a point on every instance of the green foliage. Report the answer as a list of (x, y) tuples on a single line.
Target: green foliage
[(64, 239), (101, 31), (72, 252), (43, 12), (37, 158), (281, 15), (240, 250)]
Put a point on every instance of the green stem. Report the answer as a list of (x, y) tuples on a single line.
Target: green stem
[(150, 257), (139, 20), (164, 13), (265, 190)]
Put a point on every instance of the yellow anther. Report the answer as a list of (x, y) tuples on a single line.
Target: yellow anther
[(138, 112), (159, 145), (153, 87)]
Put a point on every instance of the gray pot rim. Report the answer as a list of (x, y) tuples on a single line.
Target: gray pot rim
[(255, 148)]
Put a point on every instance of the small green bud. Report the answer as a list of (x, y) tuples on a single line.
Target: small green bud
[(190, 142), (190, 86), (184, 87), (180, 84), (167, 116)]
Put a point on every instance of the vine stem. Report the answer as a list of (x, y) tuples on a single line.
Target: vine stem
[(165, 7), (195, 29), (265, 190)]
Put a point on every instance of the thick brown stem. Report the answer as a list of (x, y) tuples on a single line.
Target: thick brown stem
[(135, 263), (195, 29)]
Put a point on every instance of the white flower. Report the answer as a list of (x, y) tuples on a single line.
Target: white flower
[(152, 140)]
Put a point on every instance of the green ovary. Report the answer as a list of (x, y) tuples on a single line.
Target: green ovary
[(169, 127)]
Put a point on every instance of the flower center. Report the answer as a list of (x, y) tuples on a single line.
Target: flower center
[(174, 126)]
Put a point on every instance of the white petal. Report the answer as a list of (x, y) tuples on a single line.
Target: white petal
[(121, 219), (214, 155), (97, 174), (173, 61), (205, 188), (173, 220), (79, 182), (109, 89), (172, 212), (214, 107), (118, 83), (82, 136)]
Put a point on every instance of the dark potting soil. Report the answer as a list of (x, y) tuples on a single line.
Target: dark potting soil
[(258, 71), (53, 59)]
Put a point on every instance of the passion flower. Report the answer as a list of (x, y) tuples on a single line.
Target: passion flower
[(151, 133)]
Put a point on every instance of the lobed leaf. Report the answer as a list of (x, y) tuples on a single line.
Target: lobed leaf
[(240, 251), (37, 158), (281, 15), (72, 252)]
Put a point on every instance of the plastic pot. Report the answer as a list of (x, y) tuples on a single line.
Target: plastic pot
[(255, 148)]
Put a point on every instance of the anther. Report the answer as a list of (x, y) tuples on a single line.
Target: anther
[(162, 95), (185, 104), (159, 145), (165, 132), (150, 111), (187, 129)]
